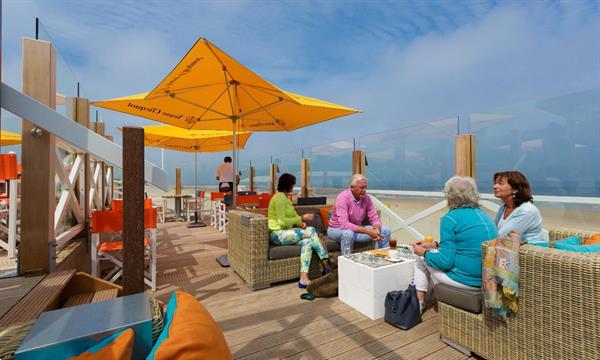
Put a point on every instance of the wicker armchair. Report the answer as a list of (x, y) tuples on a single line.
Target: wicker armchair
[(249, 252), (559, 310)]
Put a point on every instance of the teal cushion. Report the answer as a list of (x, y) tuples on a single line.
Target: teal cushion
[(572, 240), (541, 244), (576, 247)]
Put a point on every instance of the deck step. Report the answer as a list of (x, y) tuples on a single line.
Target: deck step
[(104, 295), (79, 299), (39, 299)]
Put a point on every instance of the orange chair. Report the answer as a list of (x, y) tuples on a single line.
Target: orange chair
[(107, 222), (117, 204), (250, 201), (264, 200), (9, 169), (215, 200), (191, 206)]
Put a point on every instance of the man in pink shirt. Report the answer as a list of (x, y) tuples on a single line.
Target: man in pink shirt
[(350, 209)]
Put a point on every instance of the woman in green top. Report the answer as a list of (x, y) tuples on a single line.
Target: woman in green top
[(286, 227)]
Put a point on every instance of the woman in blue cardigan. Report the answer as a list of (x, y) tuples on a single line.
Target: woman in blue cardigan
[(457, 261)]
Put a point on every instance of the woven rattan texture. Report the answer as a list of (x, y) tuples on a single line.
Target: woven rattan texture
[(558, 315), (249, 254)]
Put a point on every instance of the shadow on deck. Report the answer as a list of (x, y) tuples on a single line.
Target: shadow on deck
[(275, 323)]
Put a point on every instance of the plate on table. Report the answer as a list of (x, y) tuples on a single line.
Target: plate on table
[(394, 260)]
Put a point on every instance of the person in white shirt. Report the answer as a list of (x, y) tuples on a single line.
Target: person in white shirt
[(517, 212), (224, 175)]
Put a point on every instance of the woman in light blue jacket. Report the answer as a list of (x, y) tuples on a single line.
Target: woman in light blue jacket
[(518, 212)]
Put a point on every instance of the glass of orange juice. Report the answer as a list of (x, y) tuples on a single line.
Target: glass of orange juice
[(428, 239)]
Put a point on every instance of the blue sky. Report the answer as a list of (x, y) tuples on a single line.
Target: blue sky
[(401, 62)]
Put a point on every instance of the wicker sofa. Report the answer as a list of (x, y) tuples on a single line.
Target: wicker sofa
[(261, 264), (559, 310)]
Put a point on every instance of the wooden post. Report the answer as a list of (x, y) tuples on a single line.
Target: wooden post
[(251, 174), (305, 178), (464, 155), (177, 181), (359, 163), (133, 210), (273, 170), (38, 172)]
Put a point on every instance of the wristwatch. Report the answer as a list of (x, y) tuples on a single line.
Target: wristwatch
[(425, 253)]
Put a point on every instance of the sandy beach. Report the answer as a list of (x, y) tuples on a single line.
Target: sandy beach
[(554, 215)]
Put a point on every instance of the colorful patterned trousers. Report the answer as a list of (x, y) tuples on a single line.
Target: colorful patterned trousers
[(307, 238)]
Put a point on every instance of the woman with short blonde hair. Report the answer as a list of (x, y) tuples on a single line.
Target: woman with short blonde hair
[(457, 260)]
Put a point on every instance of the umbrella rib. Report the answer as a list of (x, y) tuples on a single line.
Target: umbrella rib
[(183, 90), (227, 88), (261, 107), (266, 90), (200, 106), (209, 108)]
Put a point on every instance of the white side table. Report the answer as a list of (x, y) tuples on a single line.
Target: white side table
[(365, 288)]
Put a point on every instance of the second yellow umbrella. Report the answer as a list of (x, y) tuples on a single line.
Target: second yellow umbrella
[(8, 138), (174, 138)]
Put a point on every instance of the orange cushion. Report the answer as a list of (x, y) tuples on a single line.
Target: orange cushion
[(118, 346), (594, 239), (190, 332), (326, 215)]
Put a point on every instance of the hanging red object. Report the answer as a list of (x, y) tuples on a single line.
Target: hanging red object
[(8, 167)]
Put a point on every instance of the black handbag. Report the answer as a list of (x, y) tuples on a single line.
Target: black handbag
[(402, 308)]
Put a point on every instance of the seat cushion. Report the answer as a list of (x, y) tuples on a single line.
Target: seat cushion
[(277, 252), (469, 300), (190, 332), (118, 346)]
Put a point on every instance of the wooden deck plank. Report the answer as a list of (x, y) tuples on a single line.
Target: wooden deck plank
[(38, 299), (14, 289), (274, 336), (275, 323), (446, 353), (283, 324), (381, 346)]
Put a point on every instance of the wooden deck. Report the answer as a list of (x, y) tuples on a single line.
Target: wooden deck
[(275, 323)]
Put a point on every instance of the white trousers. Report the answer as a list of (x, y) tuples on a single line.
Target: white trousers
[(422, 273)]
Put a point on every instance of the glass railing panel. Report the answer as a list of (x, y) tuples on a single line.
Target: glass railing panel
[(331, 166), (289, 162), (66, 81), (554, 142), (419, 157)]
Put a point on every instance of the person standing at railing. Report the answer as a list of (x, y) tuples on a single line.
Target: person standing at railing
[(224, 175), (517, 212), (286, 227), (350, 209), (457, 261)]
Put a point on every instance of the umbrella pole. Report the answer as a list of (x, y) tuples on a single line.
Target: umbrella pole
[(196, 223), (235, 171)]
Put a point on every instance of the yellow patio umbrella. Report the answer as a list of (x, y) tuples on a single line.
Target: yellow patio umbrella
[(174, 138), (208, 89), (8, 138)]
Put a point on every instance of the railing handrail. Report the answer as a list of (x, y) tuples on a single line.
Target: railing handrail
[(72, 133)]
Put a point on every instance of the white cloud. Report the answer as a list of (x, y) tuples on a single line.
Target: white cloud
[(399, 62)]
